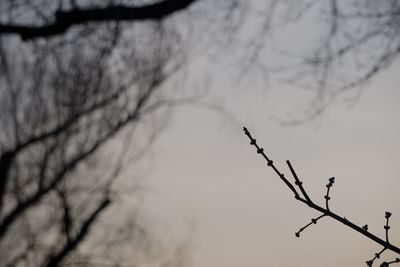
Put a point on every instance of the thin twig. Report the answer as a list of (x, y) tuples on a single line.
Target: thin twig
[(298, 182), (377, 256), (313, 221), (328, 187), (387, 227), (270, 163), (397, 260)]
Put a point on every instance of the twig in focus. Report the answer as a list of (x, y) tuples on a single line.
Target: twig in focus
[(302, 196)]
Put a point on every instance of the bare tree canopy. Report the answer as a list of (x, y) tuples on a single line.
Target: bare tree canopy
[(340, 46), (81, 78), (350, 44), (63, 102)]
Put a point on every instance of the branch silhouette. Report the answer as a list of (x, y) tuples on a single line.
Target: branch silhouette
[(66, 19), (301, 195), (57, 181)]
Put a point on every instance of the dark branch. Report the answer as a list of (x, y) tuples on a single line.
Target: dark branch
[(66, 19), (313, 221), (385, 264), (328, 188), (66, 218), (270, 163), (73, 243), (298, 182), (60, 176), (377, 256), (326, 211), (66, 124), (5, 162), (134, 115)]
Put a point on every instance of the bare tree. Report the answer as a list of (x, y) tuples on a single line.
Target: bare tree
[(330, 49), (77, 77), (62, 102), (360, 41), (82, 75), (301, 195), (353, 41)]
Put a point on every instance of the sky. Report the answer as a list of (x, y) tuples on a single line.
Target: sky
[(205, 178), (205, 181)]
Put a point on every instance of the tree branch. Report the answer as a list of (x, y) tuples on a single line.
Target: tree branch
[(6, 159), (66, 19), (66, 218), (327, 211), (134, 115), (72, 244)]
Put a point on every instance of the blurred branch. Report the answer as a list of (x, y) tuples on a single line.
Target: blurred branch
[(71, 165), (5, 163), (67, 220), (63, 107), (303, 197), (66, 19), (72, 243)]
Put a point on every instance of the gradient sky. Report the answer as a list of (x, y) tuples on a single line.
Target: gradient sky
[(204, 172)]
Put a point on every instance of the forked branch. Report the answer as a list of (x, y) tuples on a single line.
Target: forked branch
[(301, 195)]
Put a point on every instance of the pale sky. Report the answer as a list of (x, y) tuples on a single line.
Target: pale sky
[(205, 172)]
